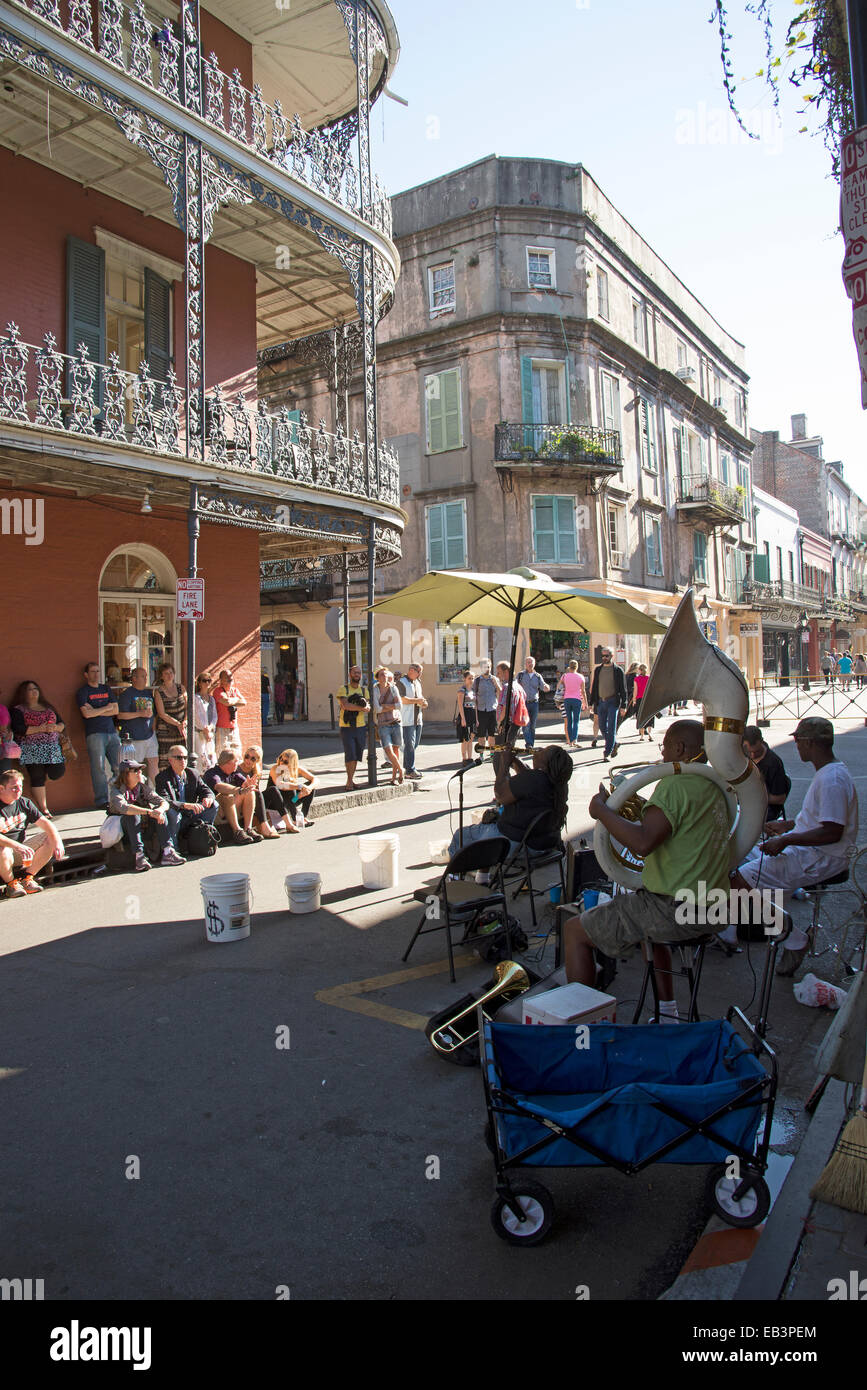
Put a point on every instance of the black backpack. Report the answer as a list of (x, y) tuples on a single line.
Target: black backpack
[(199, 840)]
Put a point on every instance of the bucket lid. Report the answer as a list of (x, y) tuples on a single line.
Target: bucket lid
[(222, 882), (391, 841), (303, 880)]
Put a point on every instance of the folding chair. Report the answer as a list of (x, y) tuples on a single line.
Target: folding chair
[(524, 861), (453, 906)]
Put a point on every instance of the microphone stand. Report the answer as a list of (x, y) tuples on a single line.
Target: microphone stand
[(461, 774)]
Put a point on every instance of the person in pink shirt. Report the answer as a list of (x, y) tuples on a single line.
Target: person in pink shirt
[(574, 696), (641, 679)]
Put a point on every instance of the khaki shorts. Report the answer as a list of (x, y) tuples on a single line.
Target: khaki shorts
[(631, 918), (34, 842)]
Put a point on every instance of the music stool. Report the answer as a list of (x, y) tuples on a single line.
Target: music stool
[(691, 954), (816, 892)]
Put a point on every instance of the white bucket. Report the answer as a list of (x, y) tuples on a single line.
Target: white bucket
[(303, 891), (379, 855), (227, 906)]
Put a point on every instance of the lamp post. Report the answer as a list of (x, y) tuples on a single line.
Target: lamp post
[(705, 615), (804, 624)]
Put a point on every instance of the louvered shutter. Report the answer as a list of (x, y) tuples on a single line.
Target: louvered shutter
[(567, 552), (85, 304), (451, 398), (544, 535), (434, 403), (435, 538), (455, 545), (157, 332), (527, 400)]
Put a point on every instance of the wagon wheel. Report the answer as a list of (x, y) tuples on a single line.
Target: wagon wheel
[(751, 1209), (538, 1207)]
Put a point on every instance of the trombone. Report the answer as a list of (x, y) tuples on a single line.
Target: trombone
[(510, 980)]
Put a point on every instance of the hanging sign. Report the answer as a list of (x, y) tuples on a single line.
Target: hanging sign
[(853, 223), (191, 599)]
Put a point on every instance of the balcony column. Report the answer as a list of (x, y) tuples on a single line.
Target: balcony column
[(192, 182), (363, 47)]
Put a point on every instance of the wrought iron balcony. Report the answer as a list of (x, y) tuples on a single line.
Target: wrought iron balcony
[(707, 499), (758, 594), (295, 580), (130, 40), (140, 413), (594, 451)]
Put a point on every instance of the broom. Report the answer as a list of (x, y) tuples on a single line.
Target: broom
[(844, 1181)]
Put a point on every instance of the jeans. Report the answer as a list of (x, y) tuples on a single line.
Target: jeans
[(266, 707), (573, 717), (530, 729), (608, 710), (100, 747), (166, 834), (411, 741)]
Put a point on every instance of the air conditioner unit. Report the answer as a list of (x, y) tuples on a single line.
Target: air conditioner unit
[(685, 373)]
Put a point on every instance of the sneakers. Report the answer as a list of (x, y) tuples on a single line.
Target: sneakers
[(15, 889), (414, 776), (30, 884), (171, 857), (142, 863)]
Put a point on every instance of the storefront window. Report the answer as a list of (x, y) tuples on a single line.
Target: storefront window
[(137, 631)]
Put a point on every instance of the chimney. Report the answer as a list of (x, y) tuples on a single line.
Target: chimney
[(799, 427)]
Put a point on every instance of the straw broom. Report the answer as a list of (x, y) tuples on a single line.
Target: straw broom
[(844, 1181)]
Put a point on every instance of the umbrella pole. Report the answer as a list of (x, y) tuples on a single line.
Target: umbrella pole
[(507, 708)]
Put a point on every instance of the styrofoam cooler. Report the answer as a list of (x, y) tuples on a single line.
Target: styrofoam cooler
[(570, 1004), (379, 856), (227, 906), (303, 892)]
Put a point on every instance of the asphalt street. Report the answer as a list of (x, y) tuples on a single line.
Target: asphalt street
[(186, 1120)]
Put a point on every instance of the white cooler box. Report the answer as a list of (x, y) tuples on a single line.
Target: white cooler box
[(571, 1004)]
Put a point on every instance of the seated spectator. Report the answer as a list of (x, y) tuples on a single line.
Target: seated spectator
[(540, 788), (185, 793), (37, 727), (290, 791), (135, 711), (234, 791), (205, 722), (774, 775), (134, 801), (251, 766), (17, 848)]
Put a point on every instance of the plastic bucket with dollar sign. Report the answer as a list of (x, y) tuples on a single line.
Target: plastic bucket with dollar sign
[(227, 906)]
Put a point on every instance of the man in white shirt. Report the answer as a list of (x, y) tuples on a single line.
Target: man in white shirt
[(817, 844), (413, 702)]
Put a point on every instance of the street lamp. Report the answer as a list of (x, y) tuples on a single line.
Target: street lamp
[(804, 624), (705, 615)]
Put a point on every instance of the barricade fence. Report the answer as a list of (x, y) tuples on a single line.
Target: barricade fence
[(842, 698)]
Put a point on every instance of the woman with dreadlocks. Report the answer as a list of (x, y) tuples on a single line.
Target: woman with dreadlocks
[(542, 787)]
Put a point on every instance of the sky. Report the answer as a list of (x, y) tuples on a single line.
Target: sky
[(633, 91)]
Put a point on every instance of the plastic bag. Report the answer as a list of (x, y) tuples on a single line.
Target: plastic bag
[(818, 994), (111, 832)]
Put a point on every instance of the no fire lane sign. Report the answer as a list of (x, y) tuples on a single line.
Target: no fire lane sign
[(191, 599)]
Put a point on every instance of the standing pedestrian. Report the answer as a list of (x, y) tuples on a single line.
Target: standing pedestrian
[(266, 698), (465, 717), (574, 696), (413, 702), (279, 698), (860, 669), (170, 701), (844, 667), (354, 701), (826, 665), (229, 699), (518, 716), (608, 698), (37, 726), (486, 689), (204, 723), (387, 706), (641, 680), (135, 710), (532, 685), (98, 707)]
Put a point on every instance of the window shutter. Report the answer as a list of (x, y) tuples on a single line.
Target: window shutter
[(762, 568), (699, 554), (451, 398), (568, 382), (434, 402), (455, 546), (157, 324), (567, 550), (654, 559), (527, 399), (85, 304), (543, 528), (435, 540)]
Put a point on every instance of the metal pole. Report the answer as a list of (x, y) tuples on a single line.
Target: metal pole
[(193, 528), (345, 619), (856, 16), (371, 578)]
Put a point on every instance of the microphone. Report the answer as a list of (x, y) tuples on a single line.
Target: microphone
[(462, 771)]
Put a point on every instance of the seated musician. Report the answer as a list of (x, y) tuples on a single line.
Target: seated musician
[(814, 846), (683, 838), (542, 787)]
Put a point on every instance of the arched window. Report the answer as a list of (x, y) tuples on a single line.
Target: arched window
[(138, 613)]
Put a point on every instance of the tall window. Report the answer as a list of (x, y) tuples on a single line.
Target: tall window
[(617, 534), (682, 355), (699, 556), (602, 293), (441, 279), (452, 651), (544, 392), (554, 535), (639, 325), (442, 394), (610, 401), (652, 544), (358, 648), (137, 613), (446, 535), (540, 268), (647, 433), (725, 469)]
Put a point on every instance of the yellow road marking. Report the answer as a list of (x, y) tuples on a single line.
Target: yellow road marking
[(347, 996)]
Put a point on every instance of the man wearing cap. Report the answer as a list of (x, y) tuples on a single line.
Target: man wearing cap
[(814, 846)]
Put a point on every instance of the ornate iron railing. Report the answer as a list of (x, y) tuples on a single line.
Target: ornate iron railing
[(45, 388), (583, 444), (148, 49), (702, 488)]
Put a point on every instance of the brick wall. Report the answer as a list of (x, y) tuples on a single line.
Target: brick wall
[(52, 611)]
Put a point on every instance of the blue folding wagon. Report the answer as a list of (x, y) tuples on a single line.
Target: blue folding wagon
[(625, 1097)]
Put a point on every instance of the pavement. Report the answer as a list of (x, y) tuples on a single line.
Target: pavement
[(186, 1120)]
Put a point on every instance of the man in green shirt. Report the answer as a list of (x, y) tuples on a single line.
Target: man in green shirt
[(353, 722), (683, 838)]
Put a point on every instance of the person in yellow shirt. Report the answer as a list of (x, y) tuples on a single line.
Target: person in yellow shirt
[(354, 701)]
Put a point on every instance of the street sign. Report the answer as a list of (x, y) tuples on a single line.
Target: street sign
[(191, 599), (853, 224), (749, 629), (267, 639)]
